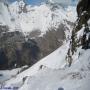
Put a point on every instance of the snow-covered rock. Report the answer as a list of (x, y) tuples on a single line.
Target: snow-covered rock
[(37, 17)]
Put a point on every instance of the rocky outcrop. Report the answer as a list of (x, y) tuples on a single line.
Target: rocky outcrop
[(50, 41), (83, 10)]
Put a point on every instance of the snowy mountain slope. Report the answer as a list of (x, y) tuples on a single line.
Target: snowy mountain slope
[(52, 72), (38, 17), (8, 74), (70, 79), (52, 69), (54, 61), (64, 2), (4, 14), (25, 18)]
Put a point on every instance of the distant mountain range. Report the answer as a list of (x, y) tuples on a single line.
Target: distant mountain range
[(65, 2), (37, 2)]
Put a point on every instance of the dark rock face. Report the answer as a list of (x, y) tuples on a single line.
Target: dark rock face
[(18, 52), (85, 42), (15, 51), (51, 40), (3, 59), (83, 11), (83, 5)]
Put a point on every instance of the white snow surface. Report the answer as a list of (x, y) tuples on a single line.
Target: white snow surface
[(4, 14), (8, 74), (37, 17), (52, 73)]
